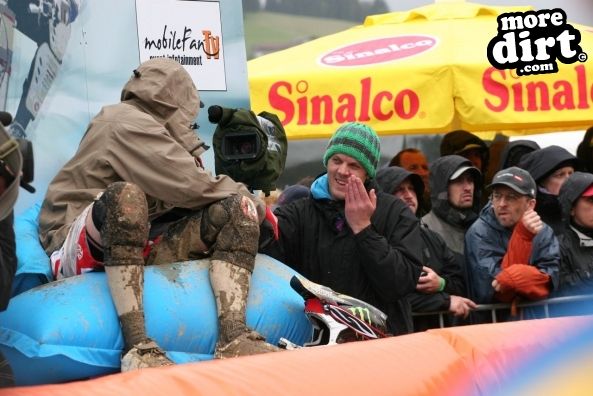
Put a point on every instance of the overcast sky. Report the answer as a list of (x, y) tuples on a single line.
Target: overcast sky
[(579, 11)]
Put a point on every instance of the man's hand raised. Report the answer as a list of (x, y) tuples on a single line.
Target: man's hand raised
[(532, 221), (360, 205)]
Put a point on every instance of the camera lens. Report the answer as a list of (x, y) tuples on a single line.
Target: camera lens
[(240, 146)]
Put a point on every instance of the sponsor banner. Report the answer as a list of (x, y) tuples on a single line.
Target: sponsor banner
[(402, 74), (309, 107), (565, 96), (187, 31), (491, 100)]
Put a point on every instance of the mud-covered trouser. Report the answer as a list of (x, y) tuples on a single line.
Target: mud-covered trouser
[(228, 232), (222, 231)]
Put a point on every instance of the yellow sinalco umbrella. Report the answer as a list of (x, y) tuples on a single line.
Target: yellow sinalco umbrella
[(421, 71)]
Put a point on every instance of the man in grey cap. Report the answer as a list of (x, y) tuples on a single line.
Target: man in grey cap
[(10, 174), (510, 252)]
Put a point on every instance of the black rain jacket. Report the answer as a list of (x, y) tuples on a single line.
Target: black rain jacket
[(380, 265)]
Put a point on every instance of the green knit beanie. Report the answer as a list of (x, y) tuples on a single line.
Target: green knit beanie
[(358, 141)]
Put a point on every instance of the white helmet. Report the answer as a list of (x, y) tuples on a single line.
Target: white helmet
[(337, 318)]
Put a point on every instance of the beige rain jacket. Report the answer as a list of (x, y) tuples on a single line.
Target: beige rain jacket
[(147, 140)]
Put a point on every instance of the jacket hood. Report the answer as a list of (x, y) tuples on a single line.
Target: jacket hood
[(585, 151), (541, 163), (441, 171), (391, 177), (162, 88), (571, 190), (456, 142), (514, 151)]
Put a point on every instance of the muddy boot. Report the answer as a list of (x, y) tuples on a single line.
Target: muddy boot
[(139, 350), (248, 342), (124, 233), (230, 284), (143, 355)]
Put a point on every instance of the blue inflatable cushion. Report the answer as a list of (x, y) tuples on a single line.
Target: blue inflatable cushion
[(68, 330)]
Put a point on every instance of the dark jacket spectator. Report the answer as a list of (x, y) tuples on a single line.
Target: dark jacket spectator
[(499, 247), (11, 163), (414, 160), (514, 152), (348, 235), (379, 265), (467, 145), (445, 219), (576, 242), (549, 167), (435, 255)]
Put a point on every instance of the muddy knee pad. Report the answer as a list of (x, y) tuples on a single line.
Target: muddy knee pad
[(231, 228), (125, 228)]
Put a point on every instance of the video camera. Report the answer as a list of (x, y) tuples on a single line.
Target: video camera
[(247, 147)]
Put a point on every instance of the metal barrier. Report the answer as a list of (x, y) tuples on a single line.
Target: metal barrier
[(507, 306)]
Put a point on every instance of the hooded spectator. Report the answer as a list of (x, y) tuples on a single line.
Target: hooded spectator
[(390, 180), (442, 284), (576, 241), (549, 167), (455, 195), (414, 160), (467, 145), (514, 152)]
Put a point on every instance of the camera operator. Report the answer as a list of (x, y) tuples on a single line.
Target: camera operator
[(10, 171), (16, 169)]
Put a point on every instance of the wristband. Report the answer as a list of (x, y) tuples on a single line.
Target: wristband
[(442, 284)]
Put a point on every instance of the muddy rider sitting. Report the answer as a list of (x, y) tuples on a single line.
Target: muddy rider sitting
[(138, 160)]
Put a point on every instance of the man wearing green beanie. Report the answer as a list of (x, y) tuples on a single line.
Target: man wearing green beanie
[(348, 235)]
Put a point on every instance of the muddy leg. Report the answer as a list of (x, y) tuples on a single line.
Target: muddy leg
[(124, 233), (231, 227)]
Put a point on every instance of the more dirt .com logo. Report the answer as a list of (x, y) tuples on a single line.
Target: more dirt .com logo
[(533, 41)]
